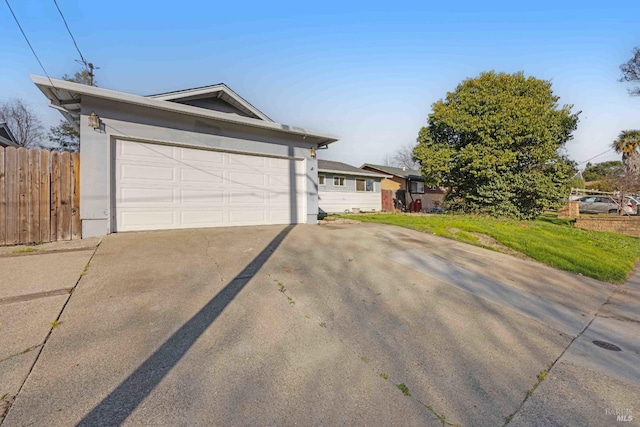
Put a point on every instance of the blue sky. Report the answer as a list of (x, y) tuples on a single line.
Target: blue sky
[(365, 72)]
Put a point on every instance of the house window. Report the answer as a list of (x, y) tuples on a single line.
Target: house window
[(321, 180), (338, 181), (416, 187), (364, 185)]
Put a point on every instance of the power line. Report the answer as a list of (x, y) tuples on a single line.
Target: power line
[(69, 30), (601, 154), (28, 42)]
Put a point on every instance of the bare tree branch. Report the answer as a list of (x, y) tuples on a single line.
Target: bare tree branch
[(403, 157), (631, 72), (25, 126)]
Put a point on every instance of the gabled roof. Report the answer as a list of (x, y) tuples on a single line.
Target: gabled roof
[(220, 91), (6, 137), (345, 169), (399, 172), (66, 97)]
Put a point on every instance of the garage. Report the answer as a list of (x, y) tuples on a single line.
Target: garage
[(192, 158), (167, 187)]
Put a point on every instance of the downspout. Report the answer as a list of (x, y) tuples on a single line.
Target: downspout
[(408, 185)]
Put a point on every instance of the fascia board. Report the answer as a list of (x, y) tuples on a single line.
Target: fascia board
[(48, 86), (370, 174)]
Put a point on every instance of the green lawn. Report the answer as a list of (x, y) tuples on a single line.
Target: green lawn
[(604, 256)]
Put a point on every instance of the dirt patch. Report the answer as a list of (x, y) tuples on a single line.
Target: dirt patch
[(493, 243), (337, 221)]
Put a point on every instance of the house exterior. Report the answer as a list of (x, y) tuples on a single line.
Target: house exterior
[(407, 186), (201, 157), (6, 137), (345, 188)]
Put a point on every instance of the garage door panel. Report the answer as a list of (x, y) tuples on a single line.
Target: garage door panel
[(279, 198), (280, 216), (145, 151), (247, 216), (201, 197), (279, 181), (148, 219), (282, 164), (236, 160), (198, 176), (244, 179), (134, 173), (204, 156), (241, 197), (133, 196), (186, 188), (198, 218)]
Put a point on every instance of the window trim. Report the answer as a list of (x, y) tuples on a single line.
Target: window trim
[(364, 180), (324, 179), (418, 183), (339, 177)]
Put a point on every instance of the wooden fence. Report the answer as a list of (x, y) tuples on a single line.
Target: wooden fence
[(39, 196)]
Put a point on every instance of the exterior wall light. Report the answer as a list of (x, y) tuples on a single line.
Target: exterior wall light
[(94, 121), (313, 152)]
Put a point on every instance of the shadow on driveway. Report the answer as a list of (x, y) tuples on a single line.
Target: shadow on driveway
[(121, 402)]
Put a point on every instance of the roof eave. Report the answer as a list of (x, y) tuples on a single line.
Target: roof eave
[(47, 87), (211, 90), (370, 174)]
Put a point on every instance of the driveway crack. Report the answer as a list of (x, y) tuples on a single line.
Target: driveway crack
[(10, 400), (544, 373), (363, 359)]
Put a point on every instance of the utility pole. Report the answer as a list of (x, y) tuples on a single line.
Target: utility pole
[(90, 65)]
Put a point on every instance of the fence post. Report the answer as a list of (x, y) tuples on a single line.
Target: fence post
[(45, 196), (55, 194), (34, 196), (64, 218), (3, 201), (76, 223)]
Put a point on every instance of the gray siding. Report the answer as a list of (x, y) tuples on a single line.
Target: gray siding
[(350, 183), (152, 125), (213, 104)]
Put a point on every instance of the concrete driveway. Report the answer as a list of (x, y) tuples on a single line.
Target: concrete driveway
[(331, 325)]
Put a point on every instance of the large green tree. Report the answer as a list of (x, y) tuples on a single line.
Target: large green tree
[(64, 136), (496, 142)]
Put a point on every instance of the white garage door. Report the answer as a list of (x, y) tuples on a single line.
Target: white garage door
[(166, 187)]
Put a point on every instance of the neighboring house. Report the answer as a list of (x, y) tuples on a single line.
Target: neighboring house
[(407, 186), (201, 157), (344, 188), (6, 137)]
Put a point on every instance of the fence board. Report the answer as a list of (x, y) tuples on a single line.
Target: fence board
[(64, 218), (39, 196), (76, 223), (55, 194), (23, 189), (11, 183), (45, 196), (34, 196), (3, 202)]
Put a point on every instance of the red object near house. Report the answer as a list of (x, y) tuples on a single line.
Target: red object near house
[(417, 206), (387, 200)]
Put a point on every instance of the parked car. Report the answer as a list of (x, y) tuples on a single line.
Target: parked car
[(608, 204), (597, 204), (631, 206)]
